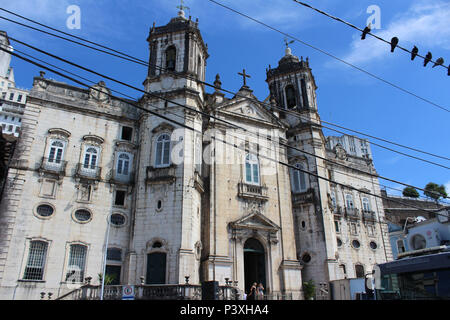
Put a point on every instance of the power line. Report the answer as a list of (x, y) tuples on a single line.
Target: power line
[(373, 35), (208, 115), (332, 56), (139, 61), (193, 129), (177, 115)]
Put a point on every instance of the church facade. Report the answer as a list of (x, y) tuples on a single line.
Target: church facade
[(97, 184)]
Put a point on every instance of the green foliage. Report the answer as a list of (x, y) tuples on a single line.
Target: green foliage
[(109, 278), (435, 191), (309, 288), (410, 192)]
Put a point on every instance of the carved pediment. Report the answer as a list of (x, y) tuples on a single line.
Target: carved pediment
[(249, 111), (96, 140), (255, 221), (59, 133), (163, 127), (100, 93)]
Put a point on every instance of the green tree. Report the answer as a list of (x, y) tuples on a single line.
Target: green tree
[(309, 288), (435, 191), (109, 278), (410, 192)]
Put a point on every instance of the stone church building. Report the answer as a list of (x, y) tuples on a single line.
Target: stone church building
[(94, 177)]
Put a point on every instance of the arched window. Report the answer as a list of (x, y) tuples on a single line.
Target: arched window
[(298, 179), (37, 253), (171, 55), (123, 164), (76, 263), (251, 169), (366, 204), (90, 158), (290, 97), (56, 151), (199, 67), (162, 158), (349, 201)]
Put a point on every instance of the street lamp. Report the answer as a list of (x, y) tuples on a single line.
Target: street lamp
[(105, 256)]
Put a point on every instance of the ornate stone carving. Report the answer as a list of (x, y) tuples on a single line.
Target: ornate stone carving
[(100, 93), (341, 154)]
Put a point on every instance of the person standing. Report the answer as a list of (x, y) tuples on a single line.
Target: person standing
[(252, 294), (260, 292)]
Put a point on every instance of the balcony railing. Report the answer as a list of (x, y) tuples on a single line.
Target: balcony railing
[(352, 213), (88, 171), (150, 292), (120, 178), (337, 211), (304, 197), (160, 175), (246, 190), (53, 166), (369, 215)]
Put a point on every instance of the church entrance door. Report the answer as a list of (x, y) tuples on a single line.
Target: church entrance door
[(156, 268), (254, 263)]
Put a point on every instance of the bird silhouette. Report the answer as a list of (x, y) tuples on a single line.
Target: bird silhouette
[(439, 62), (427, 58), (414, 53), (394, 43), (365, 32)]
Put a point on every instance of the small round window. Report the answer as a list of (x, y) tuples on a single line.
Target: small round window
[(373, 245), (339, 242), (44, 210), (157, 244), (82, 215), (117, 219), (306, 258), (356, 244)]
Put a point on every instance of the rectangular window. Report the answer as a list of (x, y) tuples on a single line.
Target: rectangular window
[(349, 201), (337, 227), (119, 199), (353, 229), (19, 98), (370, 230), (34, 269), (76, 263), (3, 95), (11, 96), (401, 246), (10, 128), (127, 133)]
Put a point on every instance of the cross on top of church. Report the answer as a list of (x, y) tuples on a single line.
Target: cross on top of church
[(244, 75), (288, 42), (182, 6)]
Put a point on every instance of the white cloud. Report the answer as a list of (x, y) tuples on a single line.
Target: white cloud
[(447, 187), (425, 24)]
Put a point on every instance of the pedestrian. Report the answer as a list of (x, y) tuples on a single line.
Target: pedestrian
[(260, 291), (252, 294)]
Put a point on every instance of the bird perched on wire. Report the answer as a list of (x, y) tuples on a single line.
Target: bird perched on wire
[(439, 62), (394, 43), (365, 32), (414, 52), (427, 58)]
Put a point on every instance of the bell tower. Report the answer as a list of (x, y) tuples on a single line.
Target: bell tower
[(293, 87), (177, 51), (166, 241)]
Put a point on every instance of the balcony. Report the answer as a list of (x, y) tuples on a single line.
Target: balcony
[(88, 172), (160, 175), (337, 211), (250, 191), (369, 215), (151, 292), (120, 178), (53, 167), (352, 213), (299, 199)]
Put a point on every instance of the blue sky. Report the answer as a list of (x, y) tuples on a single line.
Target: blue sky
[(345, 96)]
